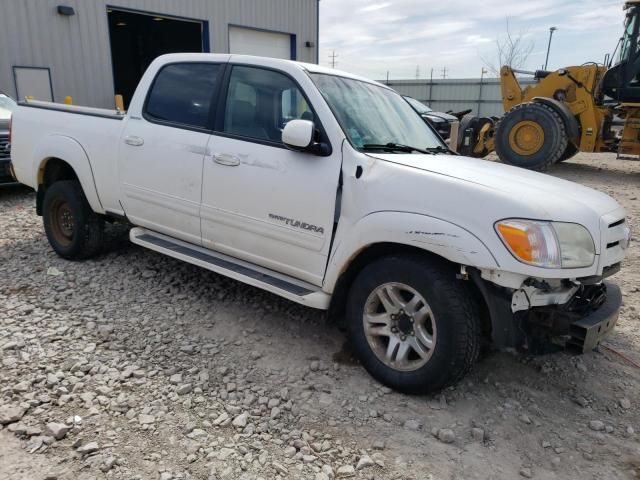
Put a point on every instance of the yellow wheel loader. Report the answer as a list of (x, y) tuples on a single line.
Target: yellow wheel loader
[(587, 108)]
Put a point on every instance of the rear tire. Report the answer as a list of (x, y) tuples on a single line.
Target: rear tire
[(74, 231), (531, 135), (427, 338)]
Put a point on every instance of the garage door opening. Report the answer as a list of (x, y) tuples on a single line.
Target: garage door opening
[(138, 38), (251, 41)]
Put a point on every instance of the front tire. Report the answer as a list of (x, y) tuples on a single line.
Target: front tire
[(413, 325), (74, 231), (531, 135)]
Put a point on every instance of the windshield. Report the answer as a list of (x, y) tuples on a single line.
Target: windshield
[(629, 35), (418, 106), (6, 106), (373, 115)]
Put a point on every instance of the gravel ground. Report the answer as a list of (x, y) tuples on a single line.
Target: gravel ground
[(137, 366)]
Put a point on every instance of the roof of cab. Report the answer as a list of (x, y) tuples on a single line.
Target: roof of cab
[(273, 62)]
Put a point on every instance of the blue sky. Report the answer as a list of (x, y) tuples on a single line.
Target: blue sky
[(373, 36)]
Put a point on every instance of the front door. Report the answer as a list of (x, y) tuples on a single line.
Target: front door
[(262, 202), (163, 150)]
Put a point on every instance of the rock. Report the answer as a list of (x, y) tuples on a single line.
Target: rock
[(412, 425), (222, 418), (176, 379), (241, 420), (364, 462), (225, 453), (279, 468), (596, 425), (314, 366), (378, 445), (525, 472), (625, 403), (90, 447), (58, 430), (446, 435), (146, 419), (54, 272), (321, 476), (346, 471), (10, 414), (477, 434), (184, 389)]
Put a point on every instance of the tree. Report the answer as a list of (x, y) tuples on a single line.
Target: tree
[(512, 49)]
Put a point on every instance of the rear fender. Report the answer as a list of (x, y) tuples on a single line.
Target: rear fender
[(433, 235), (70, 151)]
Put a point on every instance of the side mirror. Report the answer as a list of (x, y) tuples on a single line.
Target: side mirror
[(298, 134)]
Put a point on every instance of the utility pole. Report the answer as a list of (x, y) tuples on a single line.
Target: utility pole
[(333, 57), (484, 72), (551, 30), (387, 77), (431, 87), (444, 72), (417, 72)]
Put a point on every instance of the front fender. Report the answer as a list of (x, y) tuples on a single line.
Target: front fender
[(69, 150), (434, 235)]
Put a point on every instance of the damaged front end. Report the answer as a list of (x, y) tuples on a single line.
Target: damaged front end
[(539, 318)]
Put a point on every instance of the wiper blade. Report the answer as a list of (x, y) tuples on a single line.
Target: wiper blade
[(439, 149), (394, 147)]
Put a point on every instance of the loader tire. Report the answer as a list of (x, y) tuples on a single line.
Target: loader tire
[(570, 152), (531, 135)]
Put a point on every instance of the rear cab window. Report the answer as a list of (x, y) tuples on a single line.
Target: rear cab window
[(183, 95)]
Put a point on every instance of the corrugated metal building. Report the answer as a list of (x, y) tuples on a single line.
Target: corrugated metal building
[(94, 49), (482, 96)]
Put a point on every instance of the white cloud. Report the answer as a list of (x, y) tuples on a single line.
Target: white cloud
[(373, 7), (401, 35)]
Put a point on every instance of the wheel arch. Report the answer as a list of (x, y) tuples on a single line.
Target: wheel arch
[(387, 234), (63, 158)]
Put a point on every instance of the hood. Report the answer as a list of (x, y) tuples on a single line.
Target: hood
[(550, 197)]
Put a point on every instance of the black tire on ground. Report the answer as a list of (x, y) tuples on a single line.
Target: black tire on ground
[(74, 231), (469, 121), (570, 152), (457, 344), (547, 150)]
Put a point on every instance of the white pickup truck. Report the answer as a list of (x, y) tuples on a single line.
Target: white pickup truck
[(329, 190)]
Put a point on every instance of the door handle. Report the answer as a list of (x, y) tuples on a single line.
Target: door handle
[(226, 159), (134, 141)]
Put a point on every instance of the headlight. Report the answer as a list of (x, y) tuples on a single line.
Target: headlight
[(548, 244)]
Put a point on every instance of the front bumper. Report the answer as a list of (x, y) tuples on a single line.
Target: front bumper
[(587, 333), (579, 324)]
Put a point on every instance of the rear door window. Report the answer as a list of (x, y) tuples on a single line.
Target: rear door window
[(183, 94)]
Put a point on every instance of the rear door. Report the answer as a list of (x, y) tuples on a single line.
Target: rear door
[(164, 147), (262, 202)]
